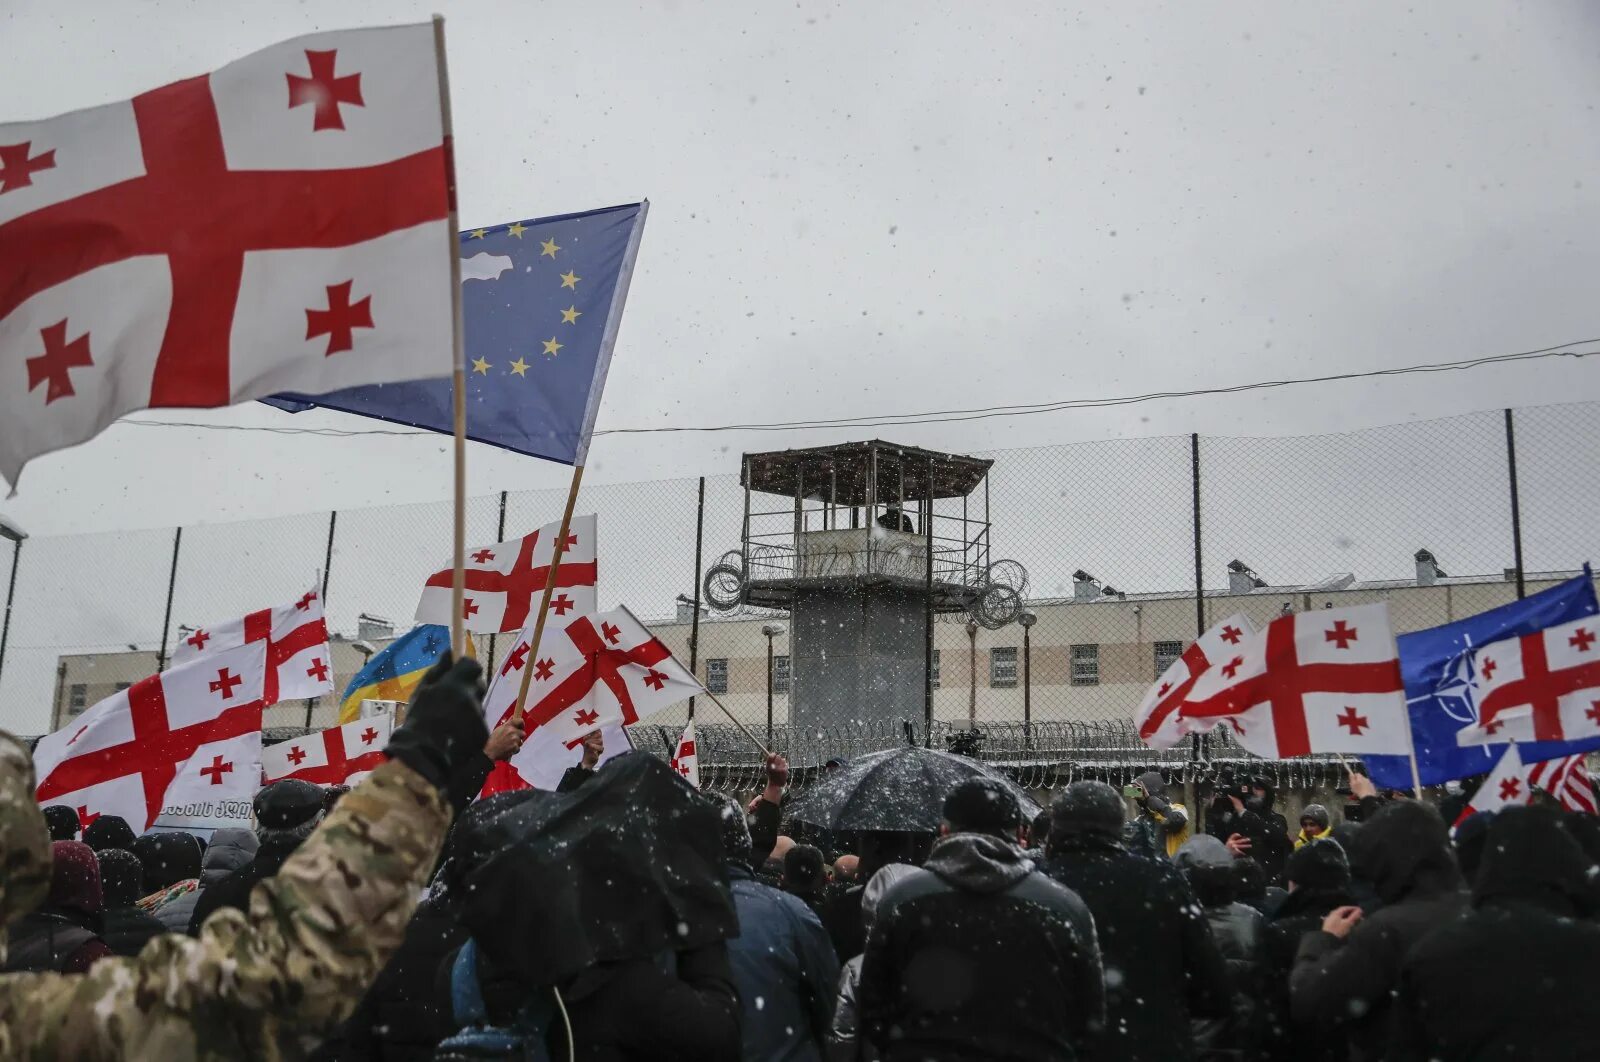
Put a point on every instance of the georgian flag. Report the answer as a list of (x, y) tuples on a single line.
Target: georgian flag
[(121, 756), (505, 582), (1507, 786), (280, 224), (686, 760), (299, 659), (215, 787), (1320, 681), (340, 755), (1543, 686), (1157, 719), (1566, 779)]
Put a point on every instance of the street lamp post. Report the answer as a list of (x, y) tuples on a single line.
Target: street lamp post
[(771, 630), (16, 535), (1027, 619)]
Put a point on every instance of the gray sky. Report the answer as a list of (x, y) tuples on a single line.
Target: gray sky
[(890, 207)]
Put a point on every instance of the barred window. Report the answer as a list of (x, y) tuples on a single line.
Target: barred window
[(77, 695), (717, 674), (1167, 654), (1003, 667), (780, 674), (1086, 665)]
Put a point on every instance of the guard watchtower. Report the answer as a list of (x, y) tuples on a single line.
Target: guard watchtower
[(869, 542)]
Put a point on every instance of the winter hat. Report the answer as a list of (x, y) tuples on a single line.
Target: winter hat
[(1320, 864), (168, 858), (1405, 845), (1208, 864), (982, 805), (1087, 808), (1153, 783), (1471, 835), (288, 810), (1317, 814), (736, 842), (62, 822), (109, 831), (121, 877), (879, 887), (75, 877)]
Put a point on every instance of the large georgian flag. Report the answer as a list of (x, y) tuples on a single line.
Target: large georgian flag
[(505, 582), (1159, 722), (121, 756), (299, 659), (1320, 681), (1543, 686), (280, 224)]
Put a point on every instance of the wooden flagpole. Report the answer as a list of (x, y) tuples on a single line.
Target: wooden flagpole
[(458, 353), (746, 730), (549, 591)]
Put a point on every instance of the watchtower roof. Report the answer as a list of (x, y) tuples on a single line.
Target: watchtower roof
[(840, 473)]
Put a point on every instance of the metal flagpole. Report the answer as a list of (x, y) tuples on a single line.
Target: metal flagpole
[(500, 536), (694, 622), (458, 355), (172, 585), (559, 548)]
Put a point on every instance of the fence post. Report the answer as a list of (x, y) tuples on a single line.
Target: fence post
[(1516, 503), (172, 584), (694, 619), (11, 592), (1196, 743), (500, 536), (927, 607), (327, 571)]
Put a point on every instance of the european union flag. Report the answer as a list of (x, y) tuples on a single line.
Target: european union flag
[(541, 304), (1436, 666)]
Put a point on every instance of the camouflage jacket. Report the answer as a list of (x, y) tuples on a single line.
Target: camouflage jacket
[(268, 984)]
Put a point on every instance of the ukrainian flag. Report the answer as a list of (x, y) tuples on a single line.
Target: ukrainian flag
[(391, 675)]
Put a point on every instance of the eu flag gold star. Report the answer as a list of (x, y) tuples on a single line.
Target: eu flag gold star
[(477, 234), (480, 366), (519, 366), (570, 315), (551, 346), (548, 247), (516, 228), (569, 279)]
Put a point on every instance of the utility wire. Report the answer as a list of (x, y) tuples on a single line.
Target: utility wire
[(948, 416)]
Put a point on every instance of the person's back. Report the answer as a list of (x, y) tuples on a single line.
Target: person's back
[(1318, 875), (978, 954), (1239, 932), (785, 970), (1162, 965), (1345, 975), (127, 928), (1514, 978), (286, 813), (230, 849), (63, 936)]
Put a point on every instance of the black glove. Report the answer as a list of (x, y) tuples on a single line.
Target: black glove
[(444, 725)]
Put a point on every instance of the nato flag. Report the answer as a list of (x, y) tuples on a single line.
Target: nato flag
[(1436, 666), (541, 304)]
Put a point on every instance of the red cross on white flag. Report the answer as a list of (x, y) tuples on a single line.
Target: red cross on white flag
[(1157, 718), (340, 755), (1327, 680), (299, 658), (280, 224), (505, 582), (120, 756), (686, 760), (215, 787), (596, 672), (1508, 785), (1543, 686)]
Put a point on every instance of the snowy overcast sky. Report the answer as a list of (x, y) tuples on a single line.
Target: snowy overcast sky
[(896, 206)]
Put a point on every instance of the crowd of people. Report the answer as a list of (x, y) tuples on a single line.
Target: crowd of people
[(1115, 925)]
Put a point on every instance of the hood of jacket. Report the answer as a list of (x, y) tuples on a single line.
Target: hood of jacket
[(1208, 865), (878, 887), (1529, 857), (229, 850), (978, 862), (75, 878), (1404, 850)]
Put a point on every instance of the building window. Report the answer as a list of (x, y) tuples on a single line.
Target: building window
[(1086, 665), (780, 674), (76, 696), (1167, 654), (936, 669), (1003, 667), (717, 674)]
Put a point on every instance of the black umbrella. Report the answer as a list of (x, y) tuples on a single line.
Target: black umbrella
[(628, 865), (901, 789)]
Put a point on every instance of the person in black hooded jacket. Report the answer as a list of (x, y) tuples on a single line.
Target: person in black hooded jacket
[(1240, 933), (1162, 965), (1516, 977), (978, 954), (1319, 883), (1346, 973), (127, 928)]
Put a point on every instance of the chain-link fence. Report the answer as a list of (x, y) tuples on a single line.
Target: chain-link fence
[(1119, 551)]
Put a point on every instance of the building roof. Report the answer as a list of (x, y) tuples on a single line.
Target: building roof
[(839, 473)]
